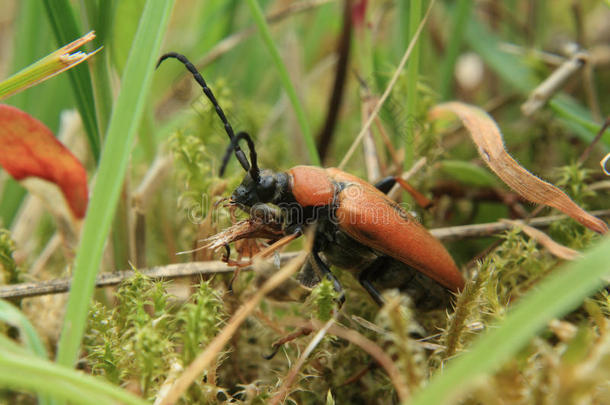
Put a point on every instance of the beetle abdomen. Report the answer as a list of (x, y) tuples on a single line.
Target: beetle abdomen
[(373, 219)]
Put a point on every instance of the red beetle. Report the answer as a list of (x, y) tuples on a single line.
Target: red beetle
[(357, 226)]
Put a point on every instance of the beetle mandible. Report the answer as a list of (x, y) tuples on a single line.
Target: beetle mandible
[(357, 226)]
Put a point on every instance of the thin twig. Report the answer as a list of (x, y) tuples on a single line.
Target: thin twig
[(62, 285), (171, 271), (388, 89), (478, 230), (553, 83)]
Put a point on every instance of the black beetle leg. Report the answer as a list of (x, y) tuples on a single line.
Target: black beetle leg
[(385, 185), (367, 275), (225, 258), (325, 270)]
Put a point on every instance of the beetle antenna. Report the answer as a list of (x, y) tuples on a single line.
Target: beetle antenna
[(254, 170), (239, 154)]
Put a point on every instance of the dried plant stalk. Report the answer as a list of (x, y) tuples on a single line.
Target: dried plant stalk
[(557, 249)]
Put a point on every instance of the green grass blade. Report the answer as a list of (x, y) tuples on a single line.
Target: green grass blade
[(412, 77), (509, 67), (51, 65), (21, 371), (100, 16), (66, 29), (263, 28), (461, 16), (560, 293), (14, 317), (11, 196), (126, 115), (578, 118)]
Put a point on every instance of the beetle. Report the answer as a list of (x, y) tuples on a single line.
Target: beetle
[(357, 226)]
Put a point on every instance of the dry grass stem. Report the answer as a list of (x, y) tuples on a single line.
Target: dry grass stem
[(387, 91), (557, 249), (553, 83)]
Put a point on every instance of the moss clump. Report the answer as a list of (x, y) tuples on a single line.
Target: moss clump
[(144, 336), (10, 272)]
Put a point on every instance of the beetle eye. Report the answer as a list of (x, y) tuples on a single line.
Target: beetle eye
[(266, 188)]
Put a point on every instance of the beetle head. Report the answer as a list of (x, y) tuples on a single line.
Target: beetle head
[(251, 192), (257, 186)]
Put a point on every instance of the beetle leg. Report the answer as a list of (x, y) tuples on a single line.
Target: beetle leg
[(365, 278), (308, 276), (325, 270), (385, 185)]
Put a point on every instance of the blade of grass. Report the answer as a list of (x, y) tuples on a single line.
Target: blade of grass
[(51, 65), (11, 196), (560, 293), (578, 119), (113, 165), (412, 76), (460, 15), (33, 40), (14, 317), (65, 28), (21, 371), (100, 15), (509, 67), (263, 28)]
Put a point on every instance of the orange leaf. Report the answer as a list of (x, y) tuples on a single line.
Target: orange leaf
[(486, 134), (29, 149)]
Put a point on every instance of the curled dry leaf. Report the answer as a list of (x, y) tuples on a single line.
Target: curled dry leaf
[(29, 151), (557, 249), (246, 229), (486, 134)]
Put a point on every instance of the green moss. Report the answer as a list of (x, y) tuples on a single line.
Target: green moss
[(11, 273)]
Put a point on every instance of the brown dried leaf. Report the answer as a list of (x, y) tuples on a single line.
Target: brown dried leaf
[(486, 134), (556, 249), (246, 229)]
